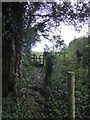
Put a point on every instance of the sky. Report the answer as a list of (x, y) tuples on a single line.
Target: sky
[(67, 34)]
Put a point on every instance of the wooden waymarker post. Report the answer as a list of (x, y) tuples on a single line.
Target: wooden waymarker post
[(71, 95)]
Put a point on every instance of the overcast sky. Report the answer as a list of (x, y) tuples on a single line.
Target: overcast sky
[(67, 34)]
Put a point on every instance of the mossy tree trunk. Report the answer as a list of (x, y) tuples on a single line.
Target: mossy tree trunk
[(11, 46)]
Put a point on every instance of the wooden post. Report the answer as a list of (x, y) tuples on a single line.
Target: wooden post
[(71, 95), (41, 59)]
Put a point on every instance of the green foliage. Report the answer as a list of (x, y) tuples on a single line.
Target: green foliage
[(57, 91), (57, 100), (22, 28), (21, 106), (16, 108)]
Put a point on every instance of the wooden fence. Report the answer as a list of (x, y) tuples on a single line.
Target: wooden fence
[(37, 60)]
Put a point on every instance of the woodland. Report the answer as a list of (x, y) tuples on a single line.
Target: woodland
[(31, 90)]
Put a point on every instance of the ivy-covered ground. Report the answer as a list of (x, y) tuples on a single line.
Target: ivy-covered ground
[(30, 103), (37, 101)]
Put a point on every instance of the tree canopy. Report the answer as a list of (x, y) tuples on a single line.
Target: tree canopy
[(46, 15)]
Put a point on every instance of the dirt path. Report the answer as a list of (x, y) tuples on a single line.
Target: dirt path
[(38, 98)]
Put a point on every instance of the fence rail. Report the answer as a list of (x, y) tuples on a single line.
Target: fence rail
[(37, 60)]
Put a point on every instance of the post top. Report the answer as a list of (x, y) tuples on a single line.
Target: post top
[(71, 72)]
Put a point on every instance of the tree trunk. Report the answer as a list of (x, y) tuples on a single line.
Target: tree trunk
[(11, 46)]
